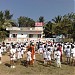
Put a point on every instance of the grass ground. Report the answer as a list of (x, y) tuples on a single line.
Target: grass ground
[(37, 69)]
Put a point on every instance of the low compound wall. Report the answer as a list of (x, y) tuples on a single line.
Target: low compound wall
[(29, 39)]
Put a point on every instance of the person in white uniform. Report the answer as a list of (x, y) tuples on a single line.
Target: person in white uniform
[(0, 54), (58, 55), (73, 55), (13, 56), (48, 56), (45, 55), (40, 50), (68, 53), (29, 57), (19, 56)]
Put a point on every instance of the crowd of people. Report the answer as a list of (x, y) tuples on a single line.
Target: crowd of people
[(49, 51)]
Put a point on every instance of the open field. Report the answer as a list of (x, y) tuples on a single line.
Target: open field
[(37, 69)]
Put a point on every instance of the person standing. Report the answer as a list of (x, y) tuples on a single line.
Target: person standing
[(0, 54), (13, 56), (58, 60), (45, 55), (32, 53), (73, 55), (29, 57), (48, 56), (68, 53)]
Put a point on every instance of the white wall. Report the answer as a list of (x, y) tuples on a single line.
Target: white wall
[(25, 34), (19, 34)]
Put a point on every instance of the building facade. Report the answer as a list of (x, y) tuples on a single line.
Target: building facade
[(25, 32)]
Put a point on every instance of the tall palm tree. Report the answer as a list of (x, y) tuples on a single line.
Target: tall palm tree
[(5, 21), (41, 19), (57, 19), (26, 22), (7, 15), (48, 30)]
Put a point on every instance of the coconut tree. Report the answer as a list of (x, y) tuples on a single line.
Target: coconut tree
[(41, 19), (26, 22), (57, 19), (48, 29), (5, 21)]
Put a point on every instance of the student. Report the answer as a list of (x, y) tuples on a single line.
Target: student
[(22, 50), (48, 56), (68, 53), (12, 56), (0, 54), (40, 50), (58, 55), (51, 49), (19, 56), (73, 55), (60, 49), (29, 57), (45, 55), (55, 51)]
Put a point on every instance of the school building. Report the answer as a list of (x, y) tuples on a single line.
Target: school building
[(22, 33)]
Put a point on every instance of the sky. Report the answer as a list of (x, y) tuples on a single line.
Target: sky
[(36, 8)]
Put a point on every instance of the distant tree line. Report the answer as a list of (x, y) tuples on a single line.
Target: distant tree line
[(59, 25)]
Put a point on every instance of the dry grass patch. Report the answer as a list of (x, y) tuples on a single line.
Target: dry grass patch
[(37, 69)]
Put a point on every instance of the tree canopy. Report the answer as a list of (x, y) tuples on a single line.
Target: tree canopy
[(26, 22)]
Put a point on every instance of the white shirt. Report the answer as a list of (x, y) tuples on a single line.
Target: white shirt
[(13, 51), (28, 54), (44, 53), (48, 55), (73, 52), (68, 52), (58, 53)]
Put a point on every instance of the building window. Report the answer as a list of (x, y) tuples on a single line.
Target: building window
[(39, 35), (14, 35), (30, 35)]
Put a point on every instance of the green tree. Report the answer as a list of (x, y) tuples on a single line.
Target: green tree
[(57, 19), (26, 22), (41, 19), (62, 24), (7, 15), (5, 21), (1, 18), (48, 29)]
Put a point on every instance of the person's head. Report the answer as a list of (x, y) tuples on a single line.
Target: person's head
[(55, 45), (44, 46), (72, 46), (13, 46), (48, 49), (67, 46), (29, 49), (32, 44)]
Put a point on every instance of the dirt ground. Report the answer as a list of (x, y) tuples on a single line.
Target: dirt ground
[(37, 69)]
